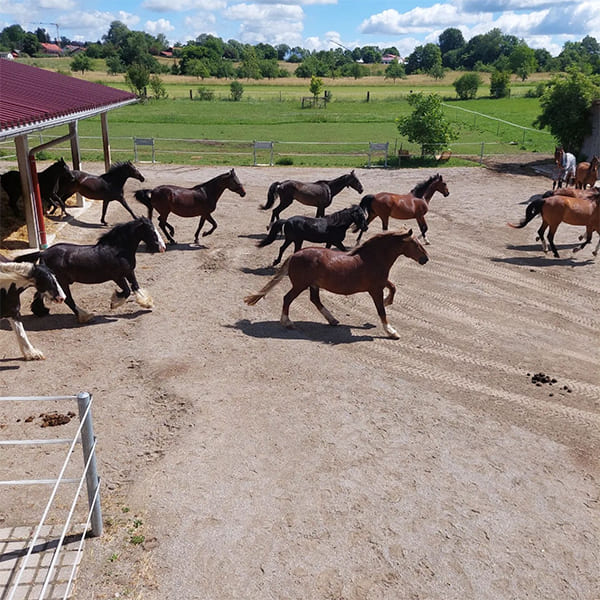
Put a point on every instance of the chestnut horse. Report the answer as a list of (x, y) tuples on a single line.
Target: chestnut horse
[(586, 173), (413, 205), (319, 193), (365, 268), (200, 200), (582, 208)]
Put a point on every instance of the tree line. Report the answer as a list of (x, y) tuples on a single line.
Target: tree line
[(210, 56)]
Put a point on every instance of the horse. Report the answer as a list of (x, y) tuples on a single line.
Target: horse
[(189, 202), (567, 164), (112, 258), (413, 205), (586, 173), (16, 278), (48, 180), (106, 187), (363, 269), (330, 229), (319, 194), (579, 209)]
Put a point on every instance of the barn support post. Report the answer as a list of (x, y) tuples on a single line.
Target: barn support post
[(75, 156), (105, 140), (22, 151)]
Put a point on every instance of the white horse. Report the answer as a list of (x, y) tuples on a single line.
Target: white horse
[(567, 167)]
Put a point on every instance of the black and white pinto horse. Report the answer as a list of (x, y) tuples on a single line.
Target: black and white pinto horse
[(112, 258), (330, 229), (16, 278)]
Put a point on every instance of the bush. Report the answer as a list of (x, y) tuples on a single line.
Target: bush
[(500, 84), (466, 85), (236, 90), (205, 94)]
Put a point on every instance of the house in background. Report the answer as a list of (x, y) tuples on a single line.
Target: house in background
[(387, 59), (51, 49)]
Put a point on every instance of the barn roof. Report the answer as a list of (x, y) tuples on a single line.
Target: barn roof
[(32, 99)]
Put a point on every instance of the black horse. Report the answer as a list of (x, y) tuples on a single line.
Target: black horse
[(15, 278), (330, 229), (106, 187), (319, 193), (112, 258), (49, 181)]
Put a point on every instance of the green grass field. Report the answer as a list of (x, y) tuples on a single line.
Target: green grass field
[(190, 131)]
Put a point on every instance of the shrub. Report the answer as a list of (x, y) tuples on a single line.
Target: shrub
[(236, 90), (466, 85)]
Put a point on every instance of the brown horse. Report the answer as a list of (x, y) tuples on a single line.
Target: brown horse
[(364, 269), (106, 187), (201, 200), (586, 173), (583, 208), (319, 193), (413, 205)]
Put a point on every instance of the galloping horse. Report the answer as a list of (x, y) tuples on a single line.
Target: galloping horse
[(49, 183), (364, 269), (189, 202), (582, 208), (566, 163), (413, 205), (330, 229), (112, 258), (16, 278), (319, 194), (586, 173), (106, 187)]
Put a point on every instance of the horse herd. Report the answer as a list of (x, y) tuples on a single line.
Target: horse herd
[(365, 268)]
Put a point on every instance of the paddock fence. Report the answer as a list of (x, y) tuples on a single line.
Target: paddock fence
[(40, 562)]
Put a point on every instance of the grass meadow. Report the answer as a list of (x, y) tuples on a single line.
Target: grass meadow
[(188, 130)]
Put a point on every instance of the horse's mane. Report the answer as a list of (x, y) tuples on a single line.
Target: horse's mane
[(118, 165), (420, 188), (375, 240), (121, 232), (341, 217)]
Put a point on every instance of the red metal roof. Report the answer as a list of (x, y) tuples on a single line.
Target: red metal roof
[(31, 96)]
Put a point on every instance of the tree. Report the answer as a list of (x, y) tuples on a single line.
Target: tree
[(117, 34), (451, 39), (249, 67), (466, 85), (394, 71), (197, 68), (138, 78), (427, 125), (31, 45), (522, 61), (500, 84), (81, 62), (315, 87), (158, 87), (236, 90), (567, 108)]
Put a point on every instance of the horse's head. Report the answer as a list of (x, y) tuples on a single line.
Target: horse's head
[(62, 171), (359, 218), (412, 248), (150, 235), (440, 185), (354, 183), (132, 171), (558, 155), (234, 184), (46, 283)]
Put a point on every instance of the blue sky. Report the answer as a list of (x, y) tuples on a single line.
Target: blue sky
[(315, 24)]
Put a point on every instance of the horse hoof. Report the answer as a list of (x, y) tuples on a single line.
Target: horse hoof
[(34, 354), (84, 317)]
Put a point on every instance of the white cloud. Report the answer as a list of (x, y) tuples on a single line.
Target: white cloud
[(56, 4), (270, 23), (161, 26), (183, 5)]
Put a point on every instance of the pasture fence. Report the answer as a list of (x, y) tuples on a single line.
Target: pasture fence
[(26, 571)]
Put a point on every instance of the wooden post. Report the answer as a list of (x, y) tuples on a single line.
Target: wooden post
[(22, 150), (75, 157)]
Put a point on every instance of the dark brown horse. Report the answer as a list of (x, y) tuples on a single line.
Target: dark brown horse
[(364, 269), (106, 187), (586, 173), (413, 205), (319, 193), (578, 208), (201, 200)]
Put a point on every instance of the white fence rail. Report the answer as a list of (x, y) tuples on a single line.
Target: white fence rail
[(18, 583)]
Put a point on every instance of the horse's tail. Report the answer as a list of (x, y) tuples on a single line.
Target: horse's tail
[(144, 197), (274, 231), (271, 195), (366, 204), (252, 299), (533, 209), (31, 257)]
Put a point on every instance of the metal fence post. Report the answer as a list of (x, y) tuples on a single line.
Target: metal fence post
[(92, 479)]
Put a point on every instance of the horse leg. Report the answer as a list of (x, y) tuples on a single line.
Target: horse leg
[(423, 227), (104, 207), (377, 296), (82, 315), (200, 225), (142, 297), (165, 227), (316, 300), (120, 297), (540, 236), (320, 211), (27, 350), (551, 232), (214, 226), (338, 244), (588, 239), (284, 202), (126, 207), (281, 251), (390, 297), (285, 311), (38, 308)]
